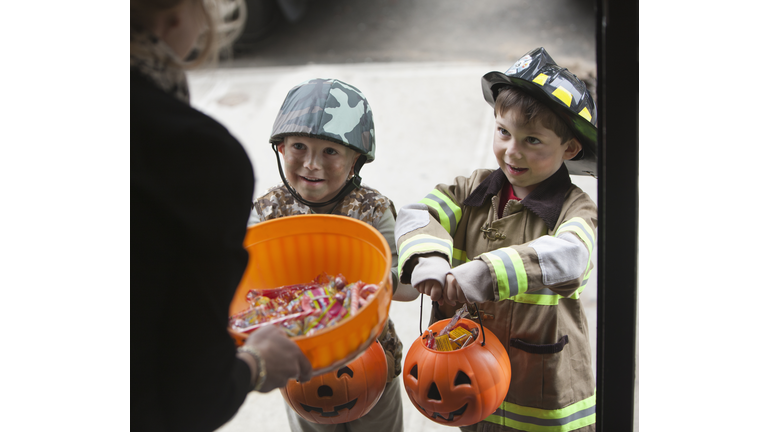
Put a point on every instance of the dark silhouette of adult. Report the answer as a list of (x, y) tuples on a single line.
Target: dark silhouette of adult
[(191, 190)]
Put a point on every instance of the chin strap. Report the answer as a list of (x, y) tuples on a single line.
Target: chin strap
[(352, 183)]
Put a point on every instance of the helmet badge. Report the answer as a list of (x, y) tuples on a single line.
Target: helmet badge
[(519, 65)]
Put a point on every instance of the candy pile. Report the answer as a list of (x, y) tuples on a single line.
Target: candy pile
[(304, 308), (452, 337)]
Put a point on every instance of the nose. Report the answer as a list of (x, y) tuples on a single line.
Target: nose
[(312, 160), (324, 391), (513, 149)]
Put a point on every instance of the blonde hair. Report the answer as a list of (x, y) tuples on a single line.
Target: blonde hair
[(143, 13)]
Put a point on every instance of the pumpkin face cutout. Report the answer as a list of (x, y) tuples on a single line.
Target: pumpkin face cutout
[(343, 395), (461, 387)]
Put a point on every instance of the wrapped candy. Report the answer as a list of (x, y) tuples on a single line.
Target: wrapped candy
[(304, 309), (429, 339), (461, 313), (453, 336), (459, 337), (443, 343)]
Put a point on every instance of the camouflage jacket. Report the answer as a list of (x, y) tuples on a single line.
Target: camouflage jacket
[(364, 204)]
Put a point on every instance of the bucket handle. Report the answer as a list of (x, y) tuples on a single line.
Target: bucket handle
[(477, 311), (480, 317), (421, 310)]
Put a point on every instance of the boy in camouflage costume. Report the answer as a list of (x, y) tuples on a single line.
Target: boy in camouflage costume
[(325, 134)]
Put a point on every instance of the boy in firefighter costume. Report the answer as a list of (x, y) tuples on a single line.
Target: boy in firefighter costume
[(518, 242), (324, 132)]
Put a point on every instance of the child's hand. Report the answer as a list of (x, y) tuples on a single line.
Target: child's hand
[(432, 288), (453, 292)]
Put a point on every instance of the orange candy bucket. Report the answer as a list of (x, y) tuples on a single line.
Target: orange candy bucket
[(461, 387), (295, 250)]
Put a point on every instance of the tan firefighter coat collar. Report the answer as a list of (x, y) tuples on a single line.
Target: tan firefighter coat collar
[(546, 201)]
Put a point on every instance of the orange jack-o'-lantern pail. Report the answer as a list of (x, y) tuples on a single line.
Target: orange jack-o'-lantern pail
[(461, 387), (343, 395)]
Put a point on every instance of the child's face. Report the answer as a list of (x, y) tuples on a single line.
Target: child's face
[(316, 168), (528, 154)]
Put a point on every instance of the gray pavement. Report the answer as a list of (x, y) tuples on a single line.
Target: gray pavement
[(383, 31), (431, 125)]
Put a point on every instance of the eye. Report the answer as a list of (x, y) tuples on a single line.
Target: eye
[(533, 140), (503, 131), (461, 378), (415, 372), (344, 370), (331, 151), (299, 146)]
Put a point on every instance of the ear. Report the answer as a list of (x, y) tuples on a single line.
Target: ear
[(573, 148), (281, 148), (166, 22), (352, 170)]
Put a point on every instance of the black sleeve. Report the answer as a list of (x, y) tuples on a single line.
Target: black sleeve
[(191, 189)]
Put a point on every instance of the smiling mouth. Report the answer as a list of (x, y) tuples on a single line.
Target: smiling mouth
[(451, 415), (311, 180), (349, 405), (517, 170)]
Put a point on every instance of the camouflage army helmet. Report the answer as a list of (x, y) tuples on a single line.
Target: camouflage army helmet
[(537, 74), (328, 109), (331, 110)]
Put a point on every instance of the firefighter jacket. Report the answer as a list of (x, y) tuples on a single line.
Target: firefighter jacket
[(364, 204), (539, 256)]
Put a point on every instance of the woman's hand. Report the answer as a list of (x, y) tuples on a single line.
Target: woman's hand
[(283, 360)]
